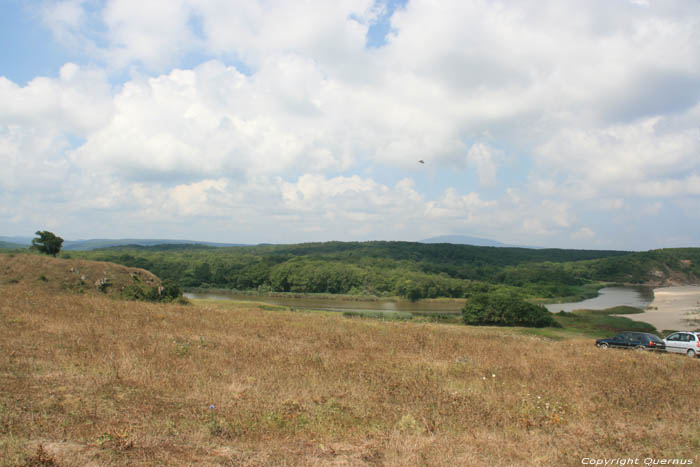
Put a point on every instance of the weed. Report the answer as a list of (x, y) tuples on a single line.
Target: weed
[(273, 308), (119, 441), (408, 424), (381, 315), (182, 347), (41, 458)]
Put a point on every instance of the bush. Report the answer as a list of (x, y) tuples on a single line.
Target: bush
[(167, 292), (505, 310)]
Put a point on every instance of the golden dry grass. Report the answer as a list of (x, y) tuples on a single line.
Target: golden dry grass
[(71, 275), (96, 381)]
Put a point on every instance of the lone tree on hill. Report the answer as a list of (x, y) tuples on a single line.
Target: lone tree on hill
[(47, 242)]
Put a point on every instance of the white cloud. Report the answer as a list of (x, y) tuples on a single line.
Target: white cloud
[(486, 160), (213, 120), (626, 153), (597, 106), (664, 188), (65, 19), (612, 204), (584, 233), (77, 102), (154, 33), (652, 209), (37, 122)]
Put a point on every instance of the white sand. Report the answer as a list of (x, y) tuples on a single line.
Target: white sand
[(676, 308)]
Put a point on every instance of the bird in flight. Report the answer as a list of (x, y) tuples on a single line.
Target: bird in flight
[(421, 161)]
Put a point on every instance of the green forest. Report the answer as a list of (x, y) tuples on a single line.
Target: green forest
[(403, 269)]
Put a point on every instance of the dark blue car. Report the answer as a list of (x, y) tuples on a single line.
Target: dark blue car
[(633, 340)]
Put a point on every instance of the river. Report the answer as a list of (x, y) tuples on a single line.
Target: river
[(608, 297), (332, 304)]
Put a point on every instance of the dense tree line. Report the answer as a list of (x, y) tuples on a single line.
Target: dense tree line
[(411, 270)]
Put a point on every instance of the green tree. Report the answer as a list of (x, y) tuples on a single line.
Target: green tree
[(47, 242), (202, 274), (505, 310)]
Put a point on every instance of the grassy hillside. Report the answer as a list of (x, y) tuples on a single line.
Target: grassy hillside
[(54, 275), (89, 380)]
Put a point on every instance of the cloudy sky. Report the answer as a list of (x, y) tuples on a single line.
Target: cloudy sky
[(554, 123)]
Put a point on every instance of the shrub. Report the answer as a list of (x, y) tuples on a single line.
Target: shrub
[(167, 292), (505, 310)]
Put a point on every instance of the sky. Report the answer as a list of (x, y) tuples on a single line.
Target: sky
[(553, 123)]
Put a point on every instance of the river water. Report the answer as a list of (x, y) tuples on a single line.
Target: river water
[(331, 304), (608, 297)]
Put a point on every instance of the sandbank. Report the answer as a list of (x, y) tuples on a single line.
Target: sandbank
[(673, 308)]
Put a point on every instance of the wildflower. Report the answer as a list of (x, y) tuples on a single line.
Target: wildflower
[(493, 375), (211, 407)]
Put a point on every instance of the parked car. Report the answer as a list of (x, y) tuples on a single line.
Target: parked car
[(633, 340), (686, 342)]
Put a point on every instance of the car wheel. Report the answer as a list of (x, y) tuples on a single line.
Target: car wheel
[(603, 345), (691, 353)]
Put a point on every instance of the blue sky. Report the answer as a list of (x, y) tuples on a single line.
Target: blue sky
[(575, 124)]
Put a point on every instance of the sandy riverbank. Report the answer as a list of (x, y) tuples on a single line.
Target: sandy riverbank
[(676, 308)]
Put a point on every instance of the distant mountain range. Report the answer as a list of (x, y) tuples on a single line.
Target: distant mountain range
[(93, 244), (467, 240), (11, 245)]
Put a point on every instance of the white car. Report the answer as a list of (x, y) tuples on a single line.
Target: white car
[(686, 342)]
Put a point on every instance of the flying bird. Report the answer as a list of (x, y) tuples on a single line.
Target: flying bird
[(421, 161)]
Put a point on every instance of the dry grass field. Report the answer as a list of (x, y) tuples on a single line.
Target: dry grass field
[(86, 379)]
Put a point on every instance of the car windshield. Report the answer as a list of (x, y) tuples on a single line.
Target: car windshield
[(653, 338)]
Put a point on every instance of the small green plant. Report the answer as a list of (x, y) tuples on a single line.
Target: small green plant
[(408, 424), (275, 308), (381, 315), (167, 292), (41, 458), (103, 284), (182, 348), (215, 426), (119, 441), (42, 278)]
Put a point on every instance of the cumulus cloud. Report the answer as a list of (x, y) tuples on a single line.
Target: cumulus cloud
[(76, 102), (39, 121), (584, 233), (486, 161), (289, 111)]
